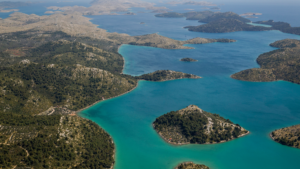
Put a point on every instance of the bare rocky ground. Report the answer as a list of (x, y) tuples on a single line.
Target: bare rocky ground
[(76, 25)]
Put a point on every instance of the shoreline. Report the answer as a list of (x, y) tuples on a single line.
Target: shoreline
[(78, 111), (180, 144)]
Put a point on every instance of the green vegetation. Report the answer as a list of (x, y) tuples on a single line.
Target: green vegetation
[(44, 78), (193, 125), (163, 75), (282, 26), (188, 60), (226, 15), (216, 22), (226, 25), (33, 88), (280, 64), (289, 136), (190, 165), (55, 73), (57, 48), (53, 142)]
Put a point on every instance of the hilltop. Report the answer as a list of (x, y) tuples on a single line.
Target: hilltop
[(280, 64), (193, 125)]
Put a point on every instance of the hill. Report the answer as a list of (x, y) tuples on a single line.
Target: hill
[(193, 125)]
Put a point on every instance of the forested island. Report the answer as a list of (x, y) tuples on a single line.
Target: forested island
[(193, 125), (191, 165), (188, 60), (226, 25), (280, 64), (281, 26), (217, 22), (289, 136), (164, 75)]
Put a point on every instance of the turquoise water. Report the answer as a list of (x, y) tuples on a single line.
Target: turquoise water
[(259, 107), (256, 24)]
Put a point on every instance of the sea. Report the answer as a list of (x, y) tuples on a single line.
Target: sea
[(260, 107)]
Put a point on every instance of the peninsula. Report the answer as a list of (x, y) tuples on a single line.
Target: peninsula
[(193, 125), (188, 60), (191, 165), (289, 136), (280, 64)]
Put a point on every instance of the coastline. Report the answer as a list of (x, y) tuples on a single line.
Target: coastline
[(180, 144), (78, 111)]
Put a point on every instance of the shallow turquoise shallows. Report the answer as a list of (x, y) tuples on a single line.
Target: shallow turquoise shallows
[(259, 107)]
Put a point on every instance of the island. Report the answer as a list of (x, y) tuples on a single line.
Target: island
[(193, 125), (55, 66), (188, 60), (76, 25), (164, 75), (281, 26), (49, 73), (225, 22), (280, 64), (218, 22), (189, 15), (226, 25), (251, 15), (287, 136), (191, 165)]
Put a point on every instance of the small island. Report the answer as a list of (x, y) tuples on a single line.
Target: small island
[(188, 60), (280, 64), (164, 75), (190, 165), (287, 136), (193, 125)]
